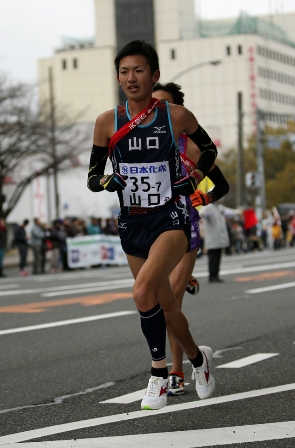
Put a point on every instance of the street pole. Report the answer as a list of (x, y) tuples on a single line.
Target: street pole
[(53, 141), (260, 200), (240, 158), (193, 67)]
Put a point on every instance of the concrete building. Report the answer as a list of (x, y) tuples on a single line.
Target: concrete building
[(213, 61)]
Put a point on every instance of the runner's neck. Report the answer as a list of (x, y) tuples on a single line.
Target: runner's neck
[(134, 108)]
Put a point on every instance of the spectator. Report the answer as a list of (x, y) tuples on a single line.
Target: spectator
[(277, 234), (21, 241), (93, 227), (3, 242), (111, 227), (56, 237), (250, 229), (238, 236), (291, 228), (216, 237), (37, 236), (46, 246)]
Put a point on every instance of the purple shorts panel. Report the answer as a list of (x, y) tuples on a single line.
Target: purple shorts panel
[(195, 228)]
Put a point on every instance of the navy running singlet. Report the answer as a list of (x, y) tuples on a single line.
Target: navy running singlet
[(149, 156)]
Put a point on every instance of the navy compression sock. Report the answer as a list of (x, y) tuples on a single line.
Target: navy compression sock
[(153, 326)]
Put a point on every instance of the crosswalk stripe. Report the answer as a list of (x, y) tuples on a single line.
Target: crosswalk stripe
[(59, 429), (129, 398), (185, 439), (271, 288), (247, 361), (65, 322)]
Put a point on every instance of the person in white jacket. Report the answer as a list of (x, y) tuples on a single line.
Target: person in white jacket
[(216, 236)]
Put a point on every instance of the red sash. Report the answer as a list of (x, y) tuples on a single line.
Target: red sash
[(132, 124), (189, 165)]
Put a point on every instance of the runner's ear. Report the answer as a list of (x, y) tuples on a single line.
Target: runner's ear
[(156, 76)]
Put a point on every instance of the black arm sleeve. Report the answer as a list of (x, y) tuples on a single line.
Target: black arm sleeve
[(98, 160), (221, 185), (207, 148)]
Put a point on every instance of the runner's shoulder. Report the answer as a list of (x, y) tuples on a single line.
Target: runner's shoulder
[(106, 117), (180, 113)]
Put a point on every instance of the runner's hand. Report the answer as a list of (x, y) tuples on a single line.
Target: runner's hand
[(113, 182), (200, 198), (185, 186)]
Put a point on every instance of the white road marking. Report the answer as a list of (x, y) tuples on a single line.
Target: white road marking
[(79, 290), (271, 288), (218, 353), (95, 273), (65, 322), (247, 361), (264, 267), (59, 429), (9, 285), (129, 398), (183, 439), (123, 283), (115, 284)]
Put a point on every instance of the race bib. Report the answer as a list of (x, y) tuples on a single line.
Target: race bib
[(148, 184)]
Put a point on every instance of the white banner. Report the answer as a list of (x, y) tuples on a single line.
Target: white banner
[(85, 251)]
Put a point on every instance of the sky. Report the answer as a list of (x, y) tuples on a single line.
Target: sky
[(32, 29)]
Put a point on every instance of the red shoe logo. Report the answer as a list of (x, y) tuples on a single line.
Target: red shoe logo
[(163, 390), (207, 373)]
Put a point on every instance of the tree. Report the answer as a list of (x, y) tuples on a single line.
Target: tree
[(279, 167), (27, 136)]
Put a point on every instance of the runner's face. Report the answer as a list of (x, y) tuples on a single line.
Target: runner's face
[(135, 77), (163, 96)]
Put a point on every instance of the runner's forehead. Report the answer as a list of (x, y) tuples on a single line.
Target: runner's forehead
[(133, 61)]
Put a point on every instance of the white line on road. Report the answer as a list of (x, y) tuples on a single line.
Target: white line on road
[(271, 288), (59, 429), (184, 439), (129, 398), (123, 283), (9, 285), (247, 361), (119, 285), (66, 322)]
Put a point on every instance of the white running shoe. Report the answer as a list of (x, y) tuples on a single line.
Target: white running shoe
[(156, 394), (205, 382)]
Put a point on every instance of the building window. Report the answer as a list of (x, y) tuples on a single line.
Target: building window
[(240, 49), (228, 50), (173, 54), (75, 63), (64, 64)]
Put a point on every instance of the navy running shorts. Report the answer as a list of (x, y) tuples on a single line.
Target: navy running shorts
[(139, 231)]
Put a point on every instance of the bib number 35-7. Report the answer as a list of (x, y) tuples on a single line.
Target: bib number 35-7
[(148, 184)]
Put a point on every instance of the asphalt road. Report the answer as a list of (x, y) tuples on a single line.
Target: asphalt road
[(74, 363)]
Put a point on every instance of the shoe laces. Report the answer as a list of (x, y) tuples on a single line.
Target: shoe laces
[(154, 386), (199, 376), (172, 379)]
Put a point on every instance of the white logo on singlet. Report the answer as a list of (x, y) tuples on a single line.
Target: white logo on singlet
[(158, 130)]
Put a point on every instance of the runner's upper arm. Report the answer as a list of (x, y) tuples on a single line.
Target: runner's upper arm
[(103, 129)]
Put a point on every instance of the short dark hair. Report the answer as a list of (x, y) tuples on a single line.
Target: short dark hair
[(139, 47), (173, 89)]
